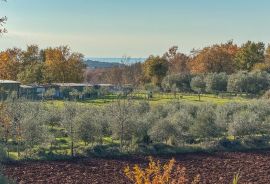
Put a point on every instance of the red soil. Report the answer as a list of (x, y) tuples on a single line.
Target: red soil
[(213, 168)]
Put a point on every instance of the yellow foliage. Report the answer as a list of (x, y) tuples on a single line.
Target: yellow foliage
[(156, 173)]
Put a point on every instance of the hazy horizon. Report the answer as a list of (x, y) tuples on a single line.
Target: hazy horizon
[(102, 28)]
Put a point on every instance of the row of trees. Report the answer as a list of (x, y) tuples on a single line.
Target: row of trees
[(35, 65), (29, 124), (240, 82), (59, 64), (219, 58)]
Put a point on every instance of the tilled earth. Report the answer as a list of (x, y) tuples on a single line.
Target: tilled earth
[(220, 168)]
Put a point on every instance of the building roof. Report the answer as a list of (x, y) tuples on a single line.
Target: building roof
[(104, 85), (73, 84), (26, 86), (9, 82)]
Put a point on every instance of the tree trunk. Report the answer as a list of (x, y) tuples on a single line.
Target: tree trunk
[(72, 148)]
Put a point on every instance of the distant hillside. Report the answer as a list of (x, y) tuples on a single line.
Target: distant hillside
[(99, 64), (109, 62)]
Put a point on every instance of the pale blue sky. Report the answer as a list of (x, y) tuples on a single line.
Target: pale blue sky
[(137, 28)]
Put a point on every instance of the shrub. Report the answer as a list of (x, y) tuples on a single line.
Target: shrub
[(109, 150), (244, 123), (159, 173), (229, 144), (256, 142)]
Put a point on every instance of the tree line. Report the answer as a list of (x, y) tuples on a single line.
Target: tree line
[(60, 64), (252, 83), (35, 65), (226, 58)]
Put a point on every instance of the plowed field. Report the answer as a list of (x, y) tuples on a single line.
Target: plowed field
[(213, 168)]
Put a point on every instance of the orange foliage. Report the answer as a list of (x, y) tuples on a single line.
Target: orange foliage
[(156, 173), (217, 58), (9, 64)]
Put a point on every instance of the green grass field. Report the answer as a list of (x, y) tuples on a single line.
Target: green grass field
[(162, 98)]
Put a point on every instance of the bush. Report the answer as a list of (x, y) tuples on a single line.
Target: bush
[(229, 144), (109, 150), (256, 142), (159, 173)]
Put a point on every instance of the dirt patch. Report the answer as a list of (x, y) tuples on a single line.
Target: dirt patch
[(213, 168)]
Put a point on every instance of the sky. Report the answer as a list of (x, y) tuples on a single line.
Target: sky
[(134, 28)]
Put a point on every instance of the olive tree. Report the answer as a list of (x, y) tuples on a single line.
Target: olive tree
[(204, 125), (175, 128), (216, 82), (89, 128), (122, 120), (252, 83), (34, 132), (15, 110), (244, 123), (178, 81), (198, 85), (69, 117)]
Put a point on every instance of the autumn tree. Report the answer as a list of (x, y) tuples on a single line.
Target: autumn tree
[(155, 69), (178, 62), (32, 73), (249, 55), (10, 63), (61, 65), (217, 58)]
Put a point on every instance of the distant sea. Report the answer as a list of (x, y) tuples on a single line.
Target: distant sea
[(117, 60)]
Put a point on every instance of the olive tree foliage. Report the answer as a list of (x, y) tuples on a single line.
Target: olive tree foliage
[(244, 123), (252, 83), (89, 127), (69, 122), (216, 82), (179, 81), (26, 123), (174, 128), (224, 115), (204, 125), (34, 131), (15, 110), (198, 85), (128, 122), (123, 118)]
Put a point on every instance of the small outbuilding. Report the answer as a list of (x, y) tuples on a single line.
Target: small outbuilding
[(7, 87)]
